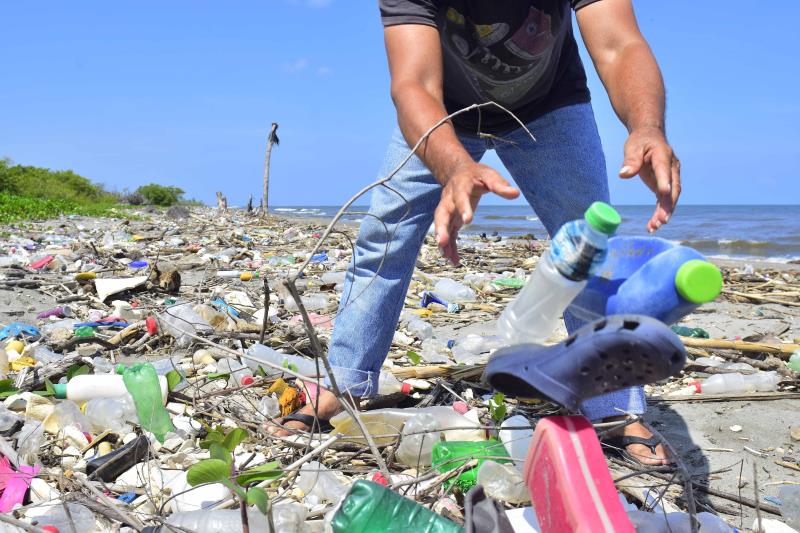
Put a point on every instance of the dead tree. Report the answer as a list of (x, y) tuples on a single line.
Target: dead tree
[(222, 202), (271, 139)]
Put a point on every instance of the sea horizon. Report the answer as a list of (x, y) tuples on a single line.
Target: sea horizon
[(763, 232)]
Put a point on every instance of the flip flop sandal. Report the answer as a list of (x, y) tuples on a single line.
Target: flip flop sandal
[(604, 356), (619, 446), (309, 420)]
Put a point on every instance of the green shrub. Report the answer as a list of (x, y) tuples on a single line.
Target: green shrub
[(15, 208), (160, 195)]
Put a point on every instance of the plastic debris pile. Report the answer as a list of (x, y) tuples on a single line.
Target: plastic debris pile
[(141, 361)]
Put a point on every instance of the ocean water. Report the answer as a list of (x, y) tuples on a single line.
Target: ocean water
[(762, 232)]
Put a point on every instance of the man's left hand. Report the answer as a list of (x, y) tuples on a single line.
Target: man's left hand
[(648, 154)]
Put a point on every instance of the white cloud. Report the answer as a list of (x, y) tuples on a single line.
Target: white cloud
[(296, 66), (324, 71)]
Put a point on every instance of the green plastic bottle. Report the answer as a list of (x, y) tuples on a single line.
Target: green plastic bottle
[(372, 508), (452, 455), (141, 380), (84, 331)]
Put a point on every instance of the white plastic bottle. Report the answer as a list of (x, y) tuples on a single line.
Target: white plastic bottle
[(240, 374), (576, 249), (90, 386), (517, 441)]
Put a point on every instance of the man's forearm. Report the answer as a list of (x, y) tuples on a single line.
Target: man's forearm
[(417, 111), (635, 86)]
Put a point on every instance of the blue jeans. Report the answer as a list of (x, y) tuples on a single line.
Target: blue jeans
[(560, 175)]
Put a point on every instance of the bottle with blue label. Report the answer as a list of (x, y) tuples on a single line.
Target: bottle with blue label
[(576, 251), (648, 276)]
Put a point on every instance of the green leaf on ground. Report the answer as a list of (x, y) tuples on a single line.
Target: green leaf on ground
[(7, 388), (218, 451), (234, 438), (258, 497), (173, 378), (260, 473), (77, 370), (413, 357), (208, 471)]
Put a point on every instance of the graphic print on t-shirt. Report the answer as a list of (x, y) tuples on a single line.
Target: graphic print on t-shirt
[(502, 65)]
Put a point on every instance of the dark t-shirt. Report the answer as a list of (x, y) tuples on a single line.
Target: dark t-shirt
[(519, 53)]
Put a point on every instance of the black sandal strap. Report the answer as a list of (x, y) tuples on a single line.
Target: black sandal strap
[(651, 442), (308, 420)]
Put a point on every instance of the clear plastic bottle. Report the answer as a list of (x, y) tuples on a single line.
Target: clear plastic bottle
[(385, 425), (241, 375), (301, 365), (320, 483), (474, 349), (435, 351), (287, 518), (716, 363), (721, 383), (110, 413), (388, 384), (576, 249), (453, 291), (424, 429), (312, 302)]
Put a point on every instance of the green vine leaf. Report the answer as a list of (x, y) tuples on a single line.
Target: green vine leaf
[(258, 497), (208, 471), (234, 438), (260, 473)]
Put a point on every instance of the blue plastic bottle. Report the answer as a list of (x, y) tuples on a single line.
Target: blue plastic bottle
[(648, 276)]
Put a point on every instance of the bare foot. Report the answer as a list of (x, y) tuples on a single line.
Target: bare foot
[(327, 408), (640, 452)]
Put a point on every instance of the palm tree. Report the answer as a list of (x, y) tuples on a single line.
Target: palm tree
[(272, 139)]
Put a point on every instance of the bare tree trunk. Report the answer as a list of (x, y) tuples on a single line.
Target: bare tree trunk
[(222, 202), (250, 205), (272, 139)]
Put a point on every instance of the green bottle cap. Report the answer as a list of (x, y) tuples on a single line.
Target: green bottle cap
[(61, 390), (603, 218), (698, 281)]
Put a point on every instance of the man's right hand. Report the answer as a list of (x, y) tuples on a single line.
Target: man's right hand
[(460, 197)]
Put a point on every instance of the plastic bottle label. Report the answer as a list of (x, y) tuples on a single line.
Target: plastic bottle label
[(573, 255)]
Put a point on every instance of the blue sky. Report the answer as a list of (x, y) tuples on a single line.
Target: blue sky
[(183, 93)]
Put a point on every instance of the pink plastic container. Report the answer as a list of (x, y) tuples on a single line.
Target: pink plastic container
[(566, 474)]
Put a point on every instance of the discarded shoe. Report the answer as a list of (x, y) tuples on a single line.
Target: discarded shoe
[(610, 354)]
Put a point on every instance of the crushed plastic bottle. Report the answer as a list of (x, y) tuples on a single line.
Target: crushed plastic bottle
[(29, 440), (269, 407), (684, 331), (435, 351), (794, 361), (142, 383), (287, 518), (453, 291), (111, 413), (474, 349), (312, 302), (180, 319), (320, 484), (452, 455), (420, 329), (425, 427), (503, 482), (575, 252)]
